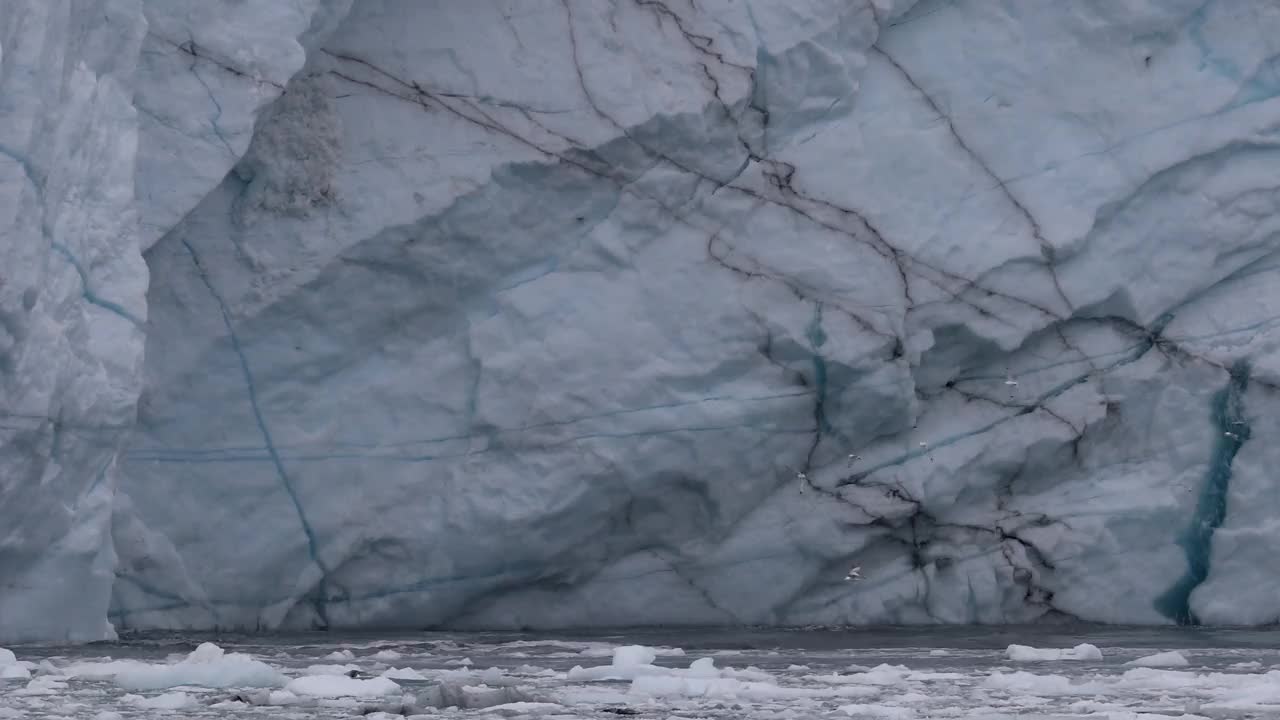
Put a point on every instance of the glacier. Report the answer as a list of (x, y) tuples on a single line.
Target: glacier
[(566, 313)]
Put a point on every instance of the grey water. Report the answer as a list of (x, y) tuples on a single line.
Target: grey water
[(762, 646)]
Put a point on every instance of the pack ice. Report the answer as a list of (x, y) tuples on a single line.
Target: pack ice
[(593, 312)]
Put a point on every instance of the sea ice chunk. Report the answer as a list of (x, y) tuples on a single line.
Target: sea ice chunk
[(336, 686), (1172, 658), (207, 666), (1026, 653)]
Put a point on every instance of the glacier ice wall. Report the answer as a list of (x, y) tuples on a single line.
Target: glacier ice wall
[(566, 312), (72, 306)]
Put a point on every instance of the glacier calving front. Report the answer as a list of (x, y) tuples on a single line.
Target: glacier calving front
[(574, 312)]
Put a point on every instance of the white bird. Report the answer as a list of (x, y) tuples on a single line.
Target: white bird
[(855, 573), (1010, 381), (924, 444), (1231, 435), (853, 458)]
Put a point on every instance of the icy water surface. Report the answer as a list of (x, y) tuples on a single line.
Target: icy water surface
[(896, 673)]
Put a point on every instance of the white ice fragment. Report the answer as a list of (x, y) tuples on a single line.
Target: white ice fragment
[(340, 655), (1033, 684), (632, 655), (167, 701), (1026, 653), (207, 666), (93, 670), (403, 674), (13, 669), (281, 697), (386, 655), (41, 686), (337, 686), (1171, 658), (634, 661)]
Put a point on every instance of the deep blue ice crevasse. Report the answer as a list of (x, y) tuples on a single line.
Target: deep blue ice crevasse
[(817, 337), (1232, 431)]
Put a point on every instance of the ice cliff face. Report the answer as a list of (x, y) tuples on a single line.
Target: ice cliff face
[(406, 313)]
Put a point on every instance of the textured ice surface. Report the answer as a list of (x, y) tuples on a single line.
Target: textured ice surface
[(579, 312)]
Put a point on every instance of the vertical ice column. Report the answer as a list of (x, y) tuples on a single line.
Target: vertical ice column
[(72, 304)]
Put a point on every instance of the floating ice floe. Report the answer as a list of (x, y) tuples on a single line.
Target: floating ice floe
[(11, 668), (167, 701), (633, 661), (336, 686), (41, 686), (207, 666), (403, 674), (1172, 658), (1026, 653), (883, 675)]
